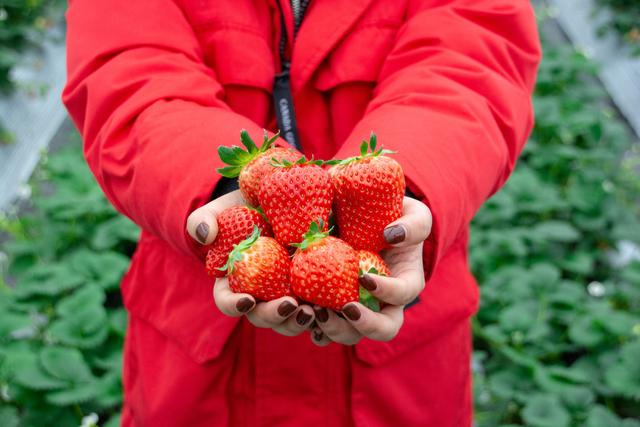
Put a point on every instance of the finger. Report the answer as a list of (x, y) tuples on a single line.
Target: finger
[(319, 338), (201, 223), (400, 290), (297, 322), (272, 313), (230, 303), (336, 328), (382, 326), (413, 227)]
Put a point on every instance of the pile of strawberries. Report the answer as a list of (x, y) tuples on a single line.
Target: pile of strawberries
[(280, 243)]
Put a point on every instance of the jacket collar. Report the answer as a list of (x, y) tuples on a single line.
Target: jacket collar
[(324, 25)]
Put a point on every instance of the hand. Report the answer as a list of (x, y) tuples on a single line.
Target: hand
[(283, 315), (404, 259)]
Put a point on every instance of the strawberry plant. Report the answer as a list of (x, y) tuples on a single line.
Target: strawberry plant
[(557, 337), (62, 323), (625, 21)]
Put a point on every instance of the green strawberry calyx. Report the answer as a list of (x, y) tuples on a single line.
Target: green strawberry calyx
[(237, 158), (315, 234), (366, 298), (302, 161), (367, 149), (236, 253)]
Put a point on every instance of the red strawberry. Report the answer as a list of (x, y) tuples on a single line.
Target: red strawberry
[(371, 263), (294, 196), (324, 270), (369, 192), (259, 266), (253, 165), (234, 225)]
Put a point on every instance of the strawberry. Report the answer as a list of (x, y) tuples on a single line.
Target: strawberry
[(253, 165), (234, 225), (259, 266), (294, 196), (369, 190), (324, 270), (371, 263)]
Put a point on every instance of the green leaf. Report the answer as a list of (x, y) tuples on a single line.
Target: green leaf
[(624, 376), (79, 393), (47, 280), (114, 421), (109, 390), (87, 329), (31, 375), (545, 410), (369, 300), (229, 155), (599, 416), (65, 364), (556, 231), (248, 142), (89, 295), (586, 332), (114, 231), (9, 416), (104, 268), (230, 171)]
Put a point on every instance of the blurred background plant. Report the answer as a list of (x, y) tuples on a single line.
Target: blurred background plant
[(22, 26), (557, 336), (624, 21)]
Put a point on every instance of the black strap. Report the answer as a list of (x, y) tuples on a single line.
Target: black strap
[(282, 97)]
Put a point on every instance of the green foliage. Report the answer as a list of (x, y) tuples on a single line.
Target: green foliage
[(21, 24), (625, 20), (557, 336), (62, 324)]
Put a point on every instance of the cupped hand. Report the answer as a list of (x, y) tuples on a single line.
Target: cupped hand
[(404, 259), (283, 315)]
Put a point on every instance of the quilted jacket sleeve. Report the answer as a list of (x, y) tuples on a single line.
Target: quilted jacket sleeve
[(454, 99), (150, 112)]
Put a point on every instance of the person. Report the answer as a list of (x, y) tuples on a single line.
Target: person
[(156, 86)]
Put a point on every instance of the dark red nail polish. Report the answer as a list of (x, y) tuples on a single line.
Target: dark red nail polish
[(368, 283), (351, 311), (302, 318), (202, 231), (244, 305), (394, 234), (286, 308), (322, 314)]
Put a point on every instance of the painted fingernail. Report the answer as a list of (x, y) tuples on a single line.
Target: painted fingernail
[(302, 318), (202, 231), (244, 304), (351, 311), (318, 335), (286, 308), (367, 282), (322, 315), (394, 234)]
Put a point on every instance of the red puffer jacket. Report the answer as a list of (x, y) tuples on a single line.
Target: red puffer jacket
[(156, 86)]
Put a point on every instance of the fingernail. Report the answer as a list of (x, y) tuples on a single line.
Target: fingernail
[(367, 282), (302, 318), (286, 308), (351, 311), (317, 335), (244, 305), (322, 314), (394, 234), (202, 231)]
